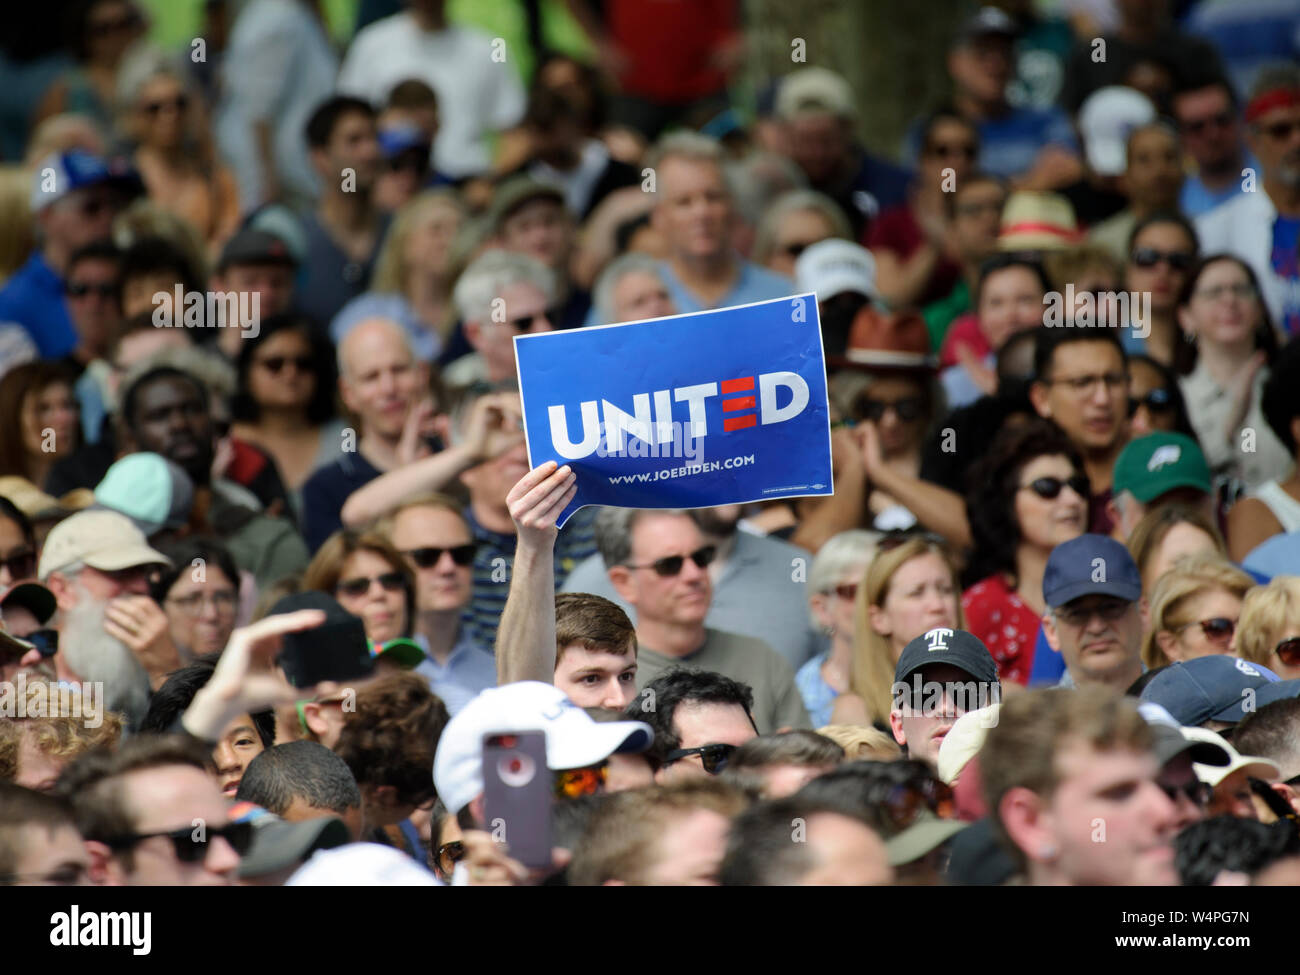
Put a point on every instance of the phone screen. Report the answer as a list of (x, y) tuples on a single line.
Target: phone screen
[(518, 793)]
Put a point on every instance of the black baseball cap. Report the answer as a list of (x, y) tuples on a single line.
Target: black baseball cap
[(252, 246), (956, 648), (988, 22), (1090, 565)]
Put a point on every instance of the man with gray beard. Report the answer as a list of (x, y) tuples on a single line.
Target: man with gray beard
[(98, 566)]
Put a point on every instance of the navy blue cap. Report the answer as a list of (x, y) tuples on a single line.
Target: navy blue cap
[(1207, 688), (66, 172), (1280, 690), (397, 139), (957, 648), (1090, 565)]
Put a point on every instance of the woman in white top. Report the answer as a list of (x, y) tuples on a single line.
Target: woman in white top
[(1224, 362), (1274, 506)]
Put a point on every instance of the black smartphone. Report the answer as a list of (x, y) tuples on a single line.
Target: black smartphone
[(518, 794), (336, 651)]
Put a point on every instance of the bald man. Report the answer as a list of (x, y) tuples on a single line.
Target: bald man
[(387, 392)]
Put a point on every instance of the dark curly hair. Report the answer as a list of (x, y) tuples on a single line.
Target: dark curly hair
[(392, 736), (658, 701), (321, 407), (991, 492)]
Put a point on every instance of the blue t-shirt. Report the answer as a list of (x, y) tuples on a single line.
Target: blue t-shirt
[(754, 284), (818, 696), (326, 491), (1195, 199), (33, 297), (1285, 261), (1010, 143)]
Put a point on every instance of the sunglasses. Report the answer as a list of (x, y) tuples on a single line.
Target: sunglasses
[(1288, 651), (1049, 488), (1150, 257), (180, 103), (574, 782), (21, 564), (1219, 628), (1281, 130), (796, 248), (1196, 126), (276, 363), (1109, 611), (150, 574), (192, 848), (671, 565), (904, 804), (714, 758), (906, 410), (446, 858), (428, 557), (355, 588), (1156, 401), (1200, 793), (79, 290), (524, 322)]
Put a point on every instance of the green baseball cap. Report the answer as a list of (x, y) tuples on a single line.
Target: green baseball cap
[(1159, 462), (404, 652)]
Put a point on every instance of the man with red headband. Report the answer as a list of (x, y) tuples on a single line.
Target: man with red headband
[(1262, 225)]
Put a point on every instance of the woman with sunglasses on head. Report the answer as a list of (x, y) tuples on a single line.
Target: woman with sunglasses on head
[(791, 224), (285, 401), (202, 607), (370, 579), (1027, 495), (1268, 630), (1194, 610), (909, 588), (42, 419), (1230, 343), (173, 148), (1161, 252), (1155, 400)]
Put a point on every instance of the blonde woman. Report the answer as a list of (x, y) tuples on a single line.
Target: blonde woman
[(1194, 610), (413, 275), (1268, 632), (908, 589)]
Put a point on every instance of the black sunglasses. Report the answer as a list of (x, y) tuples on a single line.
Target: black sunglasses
[(1049, 488), (1157, 401), (714, 758), (907, 409), (427, 558), (276, 363), (1280, 130), (79, 290), (21, 565), (355, 588), (671, 565), (1288, 651), (190, 842), (1150, 257), (551, 314), (1200, 793)]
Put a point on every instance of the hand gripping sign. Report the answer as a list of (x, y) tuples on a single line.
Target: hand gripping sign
[(689, 411)]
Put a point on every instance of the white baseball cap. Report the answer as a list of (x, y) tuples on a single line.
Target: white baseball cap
[(1106, 119), (362, 865), (573, 739), (1260, 768), (832, 267)]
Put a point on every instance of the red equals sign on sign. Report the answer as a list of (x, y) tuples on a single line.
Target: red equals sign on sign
[(744, 384)]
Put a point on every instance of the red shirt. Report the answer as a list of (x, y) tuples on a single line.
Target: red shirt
[(669, 44), (1004, 624), (964, 330)]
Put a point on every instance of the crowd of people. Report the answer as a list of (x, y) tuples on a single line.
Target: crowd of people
[(274, 560)]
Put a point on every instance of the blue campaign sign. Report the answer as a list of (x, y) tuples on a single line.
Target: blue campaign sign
[(690, 411)]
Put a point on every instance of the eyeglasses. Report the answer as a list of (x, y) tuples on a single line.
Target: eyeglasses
[(1281, 130), (1198, 792), (1084, 385), (276, 363), (714, 758), (907, 409), (975, 209), (80, 289), (1219, 628), (149, 574), (671, 565), (1196, 126), (223, 601), (574, 782), (848, 591), (796, 248), (20, 564), (1109, 611), (447, 856), (1157, 401), (1288, 651), (552, 315), (180, 103), (191, 842), (1243, 291), (68, 875), (355, 588), (1148, 257), (428, 557), (1049, 488)]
